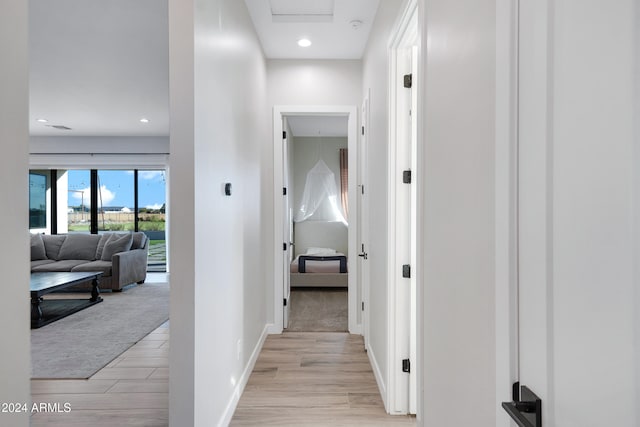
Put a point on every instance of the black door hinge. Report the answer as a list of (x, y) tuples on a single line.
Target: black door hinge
[(408, 81), (284, 191), (284, 302), (363, 130), (406, 177), (284, 134), (362, 305), (406, 365), (284, 246), (406, 271), (362, 188)]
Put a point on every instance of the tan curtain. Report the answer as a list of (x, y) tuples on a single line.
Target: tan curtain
[(344, 181)]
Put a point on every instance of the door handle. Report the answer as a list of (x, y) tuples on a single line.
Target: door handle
[(364, 255)]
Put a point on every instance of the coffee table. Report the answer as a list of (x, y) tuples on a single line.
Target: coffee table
[(44, 311)]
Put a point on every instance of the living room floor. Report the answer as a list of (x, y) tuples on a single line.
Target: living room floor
[(134, 386)]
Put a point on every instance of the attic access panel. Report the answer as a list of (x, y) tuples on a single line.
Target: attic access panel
[(302, 10)]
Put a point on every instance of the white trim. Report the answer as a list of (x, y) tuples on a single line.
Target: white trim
[(506, 209), (378, 375), (98, 161), (315, 110), (230, 409), (405, 34)]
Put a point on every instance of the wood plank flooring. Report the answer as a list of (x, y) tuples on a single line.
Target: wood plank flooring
[(133, 390), (313, 379), (300, 378)]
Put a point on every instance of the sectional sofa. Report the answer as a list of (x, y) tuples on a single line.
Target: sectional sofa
[(121, 257)]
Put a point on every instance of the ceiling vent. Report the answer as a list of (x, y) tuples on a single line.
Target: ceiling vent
[(60, 127), (302, 11)]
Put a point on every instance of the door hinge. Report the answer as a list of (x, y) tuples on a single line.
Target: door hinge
[(363, 130), (362, 305), (406, 271), (284, 134), (284, 302), (406, 365), (408, 81), (406, 177), (362, 188), (284, 246), (284, 191)]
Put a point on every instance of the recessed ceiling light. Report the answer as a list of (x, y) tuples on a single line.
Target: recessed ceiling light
[(143, 120), (42, 120), (304, 42)]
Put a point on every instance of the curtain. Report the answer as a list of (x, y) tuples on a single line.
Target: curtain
[(344, 181)]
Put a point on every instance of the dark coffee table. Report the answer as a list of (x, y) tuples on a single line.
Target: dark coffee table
[(44, 311)]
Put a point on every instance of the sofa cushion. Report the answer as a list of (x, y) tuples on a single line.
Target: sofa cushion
[(139, 240), (65, 265), (41, 262), (117, 243), (37, 248), (79, 246), (52, 244), (104, 238), (104, 266)]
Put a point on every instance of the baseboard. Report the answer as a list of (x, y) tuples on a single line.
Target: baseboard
[(273, 329), (239, 389), (378, 375)]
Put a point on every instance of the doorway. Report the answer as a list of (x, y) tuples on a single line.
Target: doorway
[(285, 211)]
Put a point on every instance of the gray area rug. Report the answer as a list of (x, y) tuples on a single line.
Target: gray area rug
[(318, 310), (83, 343)]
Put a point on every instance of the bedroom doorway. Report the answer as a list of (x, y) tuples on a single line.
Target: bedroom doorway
[(315, 212)]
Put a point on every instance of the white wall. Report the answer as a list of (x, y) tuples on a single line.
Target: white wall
[(14, 137), (217, 267), (376, 79), (314, 82), (458, 363), (99, 144)]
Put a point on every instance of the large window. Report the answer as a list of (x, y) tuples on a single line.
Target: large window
[(79, 201), (37, 200), (99, 201)]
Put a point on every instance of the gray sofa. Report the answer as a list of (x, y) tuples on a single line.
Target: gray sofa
[(121, 257)]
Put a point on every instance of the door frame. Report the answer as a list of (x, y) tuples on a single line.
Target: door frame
[(351, 112), (404, 310)]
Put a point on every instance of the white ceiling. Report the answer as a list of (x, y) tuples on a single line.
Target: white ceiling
[(99, 66), (331, 126), (327, 23)]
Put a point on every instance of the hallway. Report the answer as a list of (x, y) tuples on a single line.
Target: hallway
[(313, 379)]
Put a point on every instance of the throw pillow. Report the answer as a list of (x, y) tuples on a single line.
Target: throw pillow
[(37, 248), (79, 246), (103, 241), (116, 244), (52, 244)]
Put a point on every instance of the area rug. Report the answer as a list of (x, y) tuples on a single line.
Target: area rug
[(318, 310), (83, 343)]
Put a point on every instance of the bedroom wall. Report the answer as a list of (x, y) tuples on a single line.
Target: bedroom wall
[(218, 306), (307, 151), (376, 79), (14, 136)]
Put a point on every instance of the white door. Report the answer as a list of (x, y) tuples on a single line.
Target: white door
[(363, 222), (577, 294), (286, 226)]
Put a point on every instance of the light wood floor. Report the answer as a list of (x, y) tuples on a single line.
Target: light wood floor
[(300, 378), (313, 379), (133, 390)]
